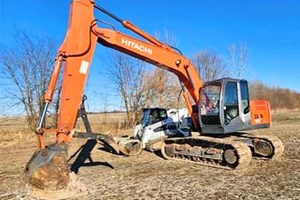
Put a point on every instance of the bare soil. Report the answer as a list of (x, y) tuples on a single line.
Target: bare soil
[(149, 176)]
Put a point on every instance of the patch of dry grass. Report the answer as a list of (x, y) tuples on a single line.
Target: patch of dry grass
[(286, 116)]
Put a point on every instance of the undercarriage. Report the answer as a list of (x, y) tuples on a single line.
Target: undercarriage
[(232, 152)]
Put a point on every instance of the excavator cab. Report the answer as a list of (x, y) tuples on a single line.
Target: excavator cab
[(225, 107)]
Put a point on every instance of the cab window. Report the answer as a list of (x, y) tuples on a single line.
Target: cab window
[(210, 100), (231, 97), (209, 104), (231, 104), (245, 96)]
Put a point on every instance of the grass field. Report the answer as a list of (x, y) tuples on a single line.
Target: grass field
[(149, 176)]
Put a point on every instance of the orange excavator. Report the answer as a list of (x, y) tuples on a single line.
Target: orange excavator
[(219, 109)]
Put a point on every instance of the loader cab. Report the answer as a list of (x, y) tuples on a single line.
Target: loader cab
[(153, 115), (224, 106)]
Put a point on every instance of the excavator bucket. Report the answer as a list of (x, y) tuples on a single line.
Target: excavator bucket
[(48, 168), (48, 176)]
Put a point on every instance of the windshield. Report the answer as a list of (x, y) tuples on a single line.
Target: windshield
[(152, 116), (210, 97)]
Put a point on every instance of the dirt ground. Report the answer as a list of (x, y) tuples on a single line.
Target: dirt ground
[(148, 176)]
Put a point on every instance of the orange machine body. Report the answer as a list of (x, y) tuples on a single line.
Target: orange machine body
[(260, 112)]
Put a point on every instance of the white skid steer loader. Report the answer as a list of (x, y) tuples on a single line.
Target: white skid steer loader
[(158, 124)]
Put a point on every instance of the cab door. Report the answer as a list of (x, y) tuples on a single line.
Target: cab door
[(236, 108)]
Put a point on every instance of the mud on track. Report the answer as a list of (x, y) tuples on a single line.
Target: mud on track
[(148, 176)]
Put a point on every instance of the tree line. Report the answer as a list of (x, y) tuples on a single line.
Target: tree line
[(279, 98)]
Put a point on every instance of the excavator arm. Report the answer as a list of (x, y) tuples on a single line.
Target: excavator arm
[(73, 60)]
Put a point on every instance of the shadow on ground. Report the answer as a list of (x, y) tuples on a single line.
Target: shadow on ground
[(83, 154)]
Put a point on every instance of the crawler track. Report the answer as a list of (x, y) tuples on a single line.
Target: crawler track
[(208, 151)]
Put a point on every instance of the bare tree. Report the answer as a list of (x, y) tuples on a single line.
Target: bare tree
[(25, 68), (167, 37), (139, 87), (163, 87), (127, 74), (209, 65), (238, 58)]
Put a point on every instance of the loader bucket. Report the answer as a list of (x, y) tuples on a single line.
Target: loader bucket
[(128, 146)]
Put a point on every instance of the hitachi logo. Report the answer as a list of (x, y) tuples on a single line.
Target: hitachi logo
[(136, 46)]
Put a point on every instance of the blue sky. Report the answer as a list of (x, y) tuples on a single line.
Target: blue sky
[(271, 29)]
